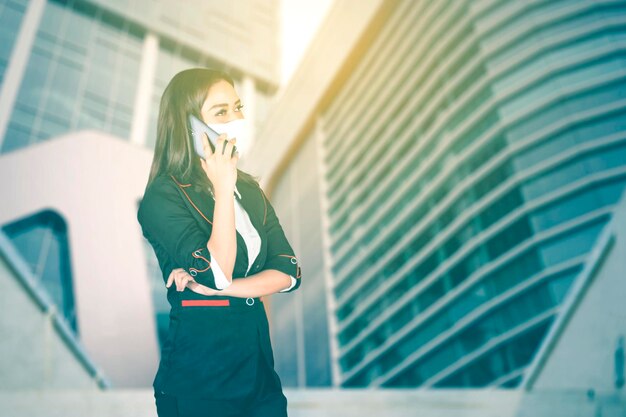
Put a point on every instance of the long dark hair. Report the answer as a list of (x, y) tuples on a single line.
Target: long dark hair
[(174, 153)]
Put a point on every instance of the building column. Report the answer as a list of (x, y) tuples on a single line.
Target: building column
[(331, 302), (249, 98), (145, 88), (18, 61)]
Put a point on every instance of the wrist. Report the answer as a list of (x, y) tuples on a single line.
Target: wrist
[(224, 192)]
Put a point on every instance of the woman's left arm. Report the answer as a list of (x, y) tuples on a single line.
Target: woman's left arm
[(266, 282), (281, 271)]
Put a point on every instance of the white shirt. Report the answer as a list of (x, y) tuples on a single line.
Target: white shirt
[(253, 244)]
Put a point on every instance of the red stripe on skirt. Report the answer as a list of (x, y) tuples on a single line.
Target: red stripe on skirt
[(194, 303)]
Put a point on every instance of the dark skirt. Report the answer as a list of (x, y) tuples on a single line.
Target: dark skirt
[(267, 400), (219, 363)]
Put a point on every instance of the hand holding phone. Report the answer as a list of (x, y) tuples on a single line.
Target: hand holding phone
[(198, 130), (222, 168)]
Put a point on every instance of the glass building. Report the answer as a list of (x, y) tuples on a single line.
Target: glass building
[(472, 152), (479, 159), (70, 65)]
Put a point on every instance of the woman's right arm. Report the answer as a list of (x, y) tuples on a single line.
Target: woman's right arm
[(223, 242), (221, 170), (167, 223)]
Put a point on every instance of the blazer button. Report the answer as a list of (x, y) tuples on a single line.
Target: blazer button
[(192, 272), (294, 260)]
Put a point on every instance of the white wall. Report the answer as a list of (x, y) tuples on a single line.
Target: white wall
[(94, 182), (33, 354)]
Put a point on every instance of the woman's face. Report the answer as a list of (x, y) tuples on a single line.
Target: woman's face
[(222, 104)]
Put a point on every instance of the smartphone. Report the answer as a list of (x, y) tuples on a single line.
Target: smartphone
[(198, 128)]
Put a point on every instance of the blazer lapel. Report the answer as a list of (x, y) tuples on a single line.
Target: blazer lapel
[(249, 200), (253, 203), (203, 203)]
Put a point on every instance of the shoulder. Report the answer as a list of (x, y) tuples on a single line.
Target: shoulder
[(160, 191), (162, 180), (250, 185), (162, 183)]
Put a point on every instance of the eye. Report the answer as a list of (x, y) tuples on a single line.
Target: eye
[(223, 111)]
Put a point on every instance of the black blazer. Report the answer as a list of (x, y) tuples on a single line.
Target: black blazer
[(210, 352), (177, 220)]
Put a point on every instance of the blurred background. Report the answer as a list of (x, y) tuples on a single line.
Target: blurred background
[(450, 173)]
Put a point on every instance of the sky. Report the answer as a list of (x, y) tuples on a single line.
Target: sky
[(300, 20)]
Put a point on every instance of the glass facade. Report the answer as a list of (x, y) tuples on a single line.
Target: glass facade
[(82, 74), (470, 170), (11, 14), (83, 69)]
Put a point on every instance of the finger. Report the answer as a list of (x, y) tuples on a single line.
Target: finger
[(228, 148), (207, 146), (179, 283), (185, 279), (195, 287), (224, 147), (185, 282), (170, 279), (222, 144), (235, 151), (219, 143)]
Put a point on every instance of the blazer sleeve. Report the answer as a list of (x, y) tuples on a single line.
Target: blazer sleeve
[(170, 227), (293, 284), (280, 255)]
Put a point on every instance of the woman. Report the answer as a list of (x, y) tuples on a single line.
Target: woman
[(217, 238)]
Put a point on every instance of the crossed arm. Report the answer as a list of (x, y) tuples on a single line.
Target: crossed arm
[(266, 282)]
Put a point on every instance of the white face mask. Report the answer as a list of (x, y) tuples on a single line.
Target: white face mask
[(237, 128)]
